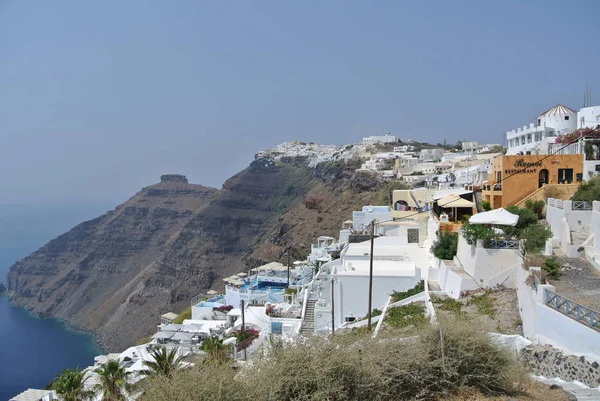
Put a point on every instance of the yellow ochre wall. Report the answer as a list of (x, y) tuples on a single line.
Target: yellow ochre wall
[(520, 174)]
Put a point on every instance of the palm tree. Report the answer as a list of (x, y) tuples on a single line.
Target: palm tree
[(164, 362), (113, 381), (69, 385), (216, 350)]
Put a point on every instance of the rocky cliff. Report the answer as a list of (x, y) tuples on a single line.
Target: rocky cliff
[(116, 274)]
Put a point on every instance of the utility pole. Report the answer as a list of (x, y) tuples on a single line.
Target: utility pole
[(371, 273), (332, 309), (244, 327), (288, 267)]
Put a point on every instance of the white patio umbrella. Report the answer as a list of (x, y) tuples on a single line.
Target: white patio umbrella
[(497, 216), (242, 274), (211, 292)]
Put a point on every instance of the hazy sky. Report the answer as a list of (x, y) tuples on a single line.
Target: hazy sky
[(99, 98)]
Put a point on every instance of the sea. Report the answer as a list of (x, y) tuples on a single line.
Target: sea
[(34, 350)]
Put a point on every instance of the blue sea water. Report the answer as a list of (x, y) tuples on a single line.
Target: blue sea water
[(34, 350)]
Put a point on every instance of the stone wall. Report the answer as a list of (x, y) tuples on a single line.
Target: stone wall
[(173, 178), (550, 362)]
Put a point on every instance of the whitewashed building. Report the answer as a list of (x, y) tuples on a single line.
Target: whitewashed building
[(536, 137), (433, 155), (362, 219), (387, 138), (588, 117)]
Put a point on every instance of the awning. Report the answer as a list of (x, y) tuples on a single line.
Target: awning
[(497, 216), (192, 328), (212, 292), (273, 266), (183, 336), (454, 200), (172, 327), (163, 335), (242, 274)]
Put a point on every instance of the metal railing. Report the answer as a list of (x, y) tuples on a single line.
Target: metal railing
[(501, 244), (581, 205), (582, 314)]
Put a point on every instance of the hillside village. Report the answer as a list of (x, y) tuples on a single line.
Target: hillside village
[(495, 233)]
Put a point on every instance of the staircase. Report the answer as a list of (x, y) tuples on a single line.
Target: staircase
[(478, 199), (308, 324)]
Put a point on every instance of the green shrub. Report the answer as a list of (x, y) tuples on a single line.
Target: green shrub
[(534, 238), (552, 268), (412, 314), (400, 295), (486, 205), (536, 207), (473, 232), (527, 217), (448, 304), (484, 303), (445, 245), (186, 314), (588, 191)]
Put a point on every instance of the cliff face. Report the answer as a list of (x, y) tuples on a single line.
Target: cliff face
[(116, 274)]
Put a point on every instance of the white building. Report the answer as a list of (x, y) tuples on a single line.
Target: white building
[(403, 148), (35, 395), (470, 146), (387, 138), (362, 219), (588, 117), (432, 154), (396, 267), (558, 120)]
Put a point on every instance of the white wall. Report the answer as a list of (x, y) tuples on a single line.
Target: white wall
[(489, 267), (590, 116), (564, 220), (592, 252), (352, 293), (360, 220), (545, 324), (589, 169)]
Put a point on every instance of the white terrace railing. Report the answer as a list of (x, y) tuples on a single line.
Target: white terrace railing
[(582, 314), (551, 202), (558, 203), (501, 244), (581, 205)]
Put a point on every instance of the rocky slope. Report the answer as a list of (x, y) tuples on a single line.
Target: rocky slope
[(116, 274)]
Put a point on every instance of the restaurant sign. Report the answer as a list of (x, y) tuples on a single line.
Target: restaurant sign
[(521, 166)]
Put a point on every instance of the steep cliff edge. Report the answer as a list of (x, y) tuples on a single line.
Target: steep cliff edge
[(116, 274)]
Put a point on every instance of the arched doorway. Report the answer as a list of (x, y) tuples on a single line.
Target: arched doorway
[(544, 177), (401, 205)]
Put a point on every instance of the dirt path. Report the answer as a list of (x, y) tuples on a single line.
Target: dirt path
[(579, 281)]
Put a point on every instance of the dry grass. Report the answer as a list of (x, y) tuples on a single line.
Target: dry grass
[(429, 366)]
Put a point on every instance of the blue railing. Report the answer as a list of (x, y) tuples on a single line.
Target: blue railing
[(581, 313), (581, 205), (501, 244)]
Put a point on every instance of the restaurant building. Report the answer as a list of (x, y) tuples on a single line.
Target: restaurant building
[(514, 178)]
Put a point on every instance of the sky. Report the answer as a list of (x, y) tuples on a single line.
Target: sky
[(99, 98)]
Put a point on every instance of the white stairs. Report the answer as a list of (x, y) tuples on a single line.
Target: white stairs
[(308, 324)]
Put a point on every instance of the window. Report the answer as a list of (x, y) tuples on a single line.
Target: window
[(565, 175), (528, 138), (413, 235), (522, 140), (350, 319), (539, 122), (566, 118)]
